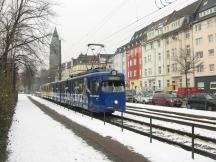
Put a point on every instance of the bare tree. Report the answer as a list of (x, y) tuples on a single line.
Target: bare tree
[(187, 64), (23, 32)]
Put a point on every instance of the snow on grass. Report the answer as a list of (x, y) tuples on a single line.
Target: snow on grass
[(156, 151)]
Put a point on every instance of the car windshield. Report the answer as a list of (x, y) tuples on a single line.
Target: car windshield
[(149, 94), (170, 96), (112, 86), (210, 97)]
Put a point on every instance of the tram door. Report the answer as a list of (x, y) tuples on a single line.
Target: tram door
[(94, 102)]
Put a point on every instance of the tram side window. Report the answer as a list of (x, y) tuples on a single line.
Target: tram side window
[(94, 86), (76, 87), (81, 86), (72, 88)]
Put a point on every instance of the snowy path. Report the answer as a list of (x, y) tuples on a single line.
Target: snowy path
[(35, 137)]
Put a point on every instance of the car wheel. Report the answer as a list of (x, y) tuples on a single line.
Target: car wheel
[(144, 102), (169, 104), (189, 106), (209, 108)]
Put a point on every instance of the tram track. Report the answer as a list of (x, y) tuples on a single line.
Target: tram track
[(190, 120), (201, 118), (164, 134)]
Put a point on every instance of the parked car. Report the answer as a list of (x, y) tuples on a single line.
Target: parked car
[(166, 99), (130, 96), (145, 98), (202, 101)]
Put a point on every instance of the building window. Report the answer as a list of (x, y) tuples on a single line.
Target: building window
[(173, 54), (180, 82), (211, 67), (211, 52), (145, 60), (158, 42), (131, 63), (133, 52), (140, 60), (174, 67), (199, 41), (144, 48), (159, 84), (168, 83), (167, 40), (146, 72), (134, 61), (168, 68), (210, 23), (168, 54), (210, 38), (150, 71), (135, 73), (200, 85), (159, 56), (212, 85), (159, 69), (200, 68), (149, 58), (188, 50), (199, 54), (187, 35), (151, 45), (198, 27)]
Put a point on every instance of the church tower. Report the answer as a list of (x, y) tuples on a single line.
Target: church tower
[(55, 58)]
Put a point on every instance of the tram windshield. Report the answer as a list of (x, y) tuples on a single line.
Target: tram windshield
[(113, 86)]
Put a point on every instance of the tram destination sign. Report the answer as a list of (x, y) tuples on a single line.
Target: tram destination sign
[(113, 78)]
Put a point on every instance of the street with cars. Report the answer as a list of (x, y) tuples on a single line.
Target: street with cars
[(201, 101)]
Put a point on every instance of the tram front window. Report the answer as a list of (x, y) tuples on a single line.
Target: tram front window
[(112, 86)]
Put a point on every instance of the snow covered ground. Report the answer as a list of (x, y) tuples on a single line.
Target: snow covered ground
[(36, 137)]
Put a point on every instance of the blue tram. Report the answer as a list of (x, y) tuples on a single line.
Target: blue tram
[(96, 91)]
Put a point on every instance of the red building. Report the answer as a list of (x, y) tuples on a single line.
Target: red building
[(134, 60), (134, 66)]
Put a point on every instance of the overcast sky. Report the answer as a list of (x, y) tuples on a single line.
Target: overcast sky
[(80, 22)]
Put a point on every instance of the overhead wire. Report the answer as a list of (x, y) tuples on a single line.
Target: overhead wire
[(134, 22), (108, 17), (125, 27), (110, 37)]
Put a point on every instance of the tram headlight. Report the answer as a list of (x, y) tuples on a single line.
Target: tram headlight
[(116, 102)]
